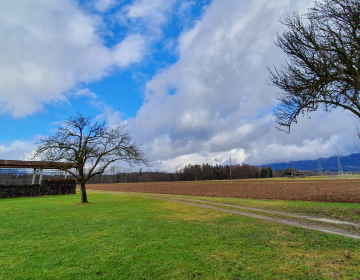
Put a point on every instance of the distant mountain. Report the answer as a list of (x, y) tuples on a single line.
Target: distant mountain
[(348, 163)]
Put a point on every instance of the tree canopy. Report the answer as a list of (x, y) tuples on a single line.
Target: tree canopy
[(323, 65), (92, 146)]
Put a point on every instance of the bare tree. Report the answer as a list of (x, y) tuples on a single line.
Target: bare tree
[(323, 66), (91, 146)]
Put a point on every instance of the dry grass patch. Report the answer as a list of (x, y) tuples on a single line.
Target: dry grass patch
[(185, 212)]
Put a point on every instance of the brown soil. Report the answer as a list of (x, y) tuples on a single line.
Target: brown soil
[(332, 190)]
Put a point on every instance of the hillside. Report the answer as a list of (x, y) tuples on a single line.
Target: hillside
[(348, 163)]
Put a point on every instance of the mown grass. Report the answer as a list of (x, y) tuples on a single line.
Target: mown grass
[(125, 237)]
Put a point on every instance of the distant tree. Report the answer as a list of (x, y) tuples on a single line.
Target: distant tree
[(90, 145), (208, 171), (278, 173), (323, 66), (266, 172)]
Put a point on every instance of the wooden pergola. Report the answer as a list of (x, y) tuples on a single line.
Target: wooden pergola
[(36, 165)]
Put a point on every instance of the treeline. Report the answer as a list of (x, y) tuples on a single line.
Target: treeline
[(222, 172), (187, 173), (288, 171), (282, 172)]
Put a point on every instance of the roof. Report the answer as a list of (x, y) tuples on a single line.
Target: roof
[(35, 164)]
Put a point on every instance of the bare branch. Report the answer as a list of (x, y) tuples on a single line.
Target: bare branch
[(87, 144), (323, 66)]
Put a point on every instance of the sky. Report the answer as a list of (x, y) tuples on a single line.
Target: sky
[(189, 78)]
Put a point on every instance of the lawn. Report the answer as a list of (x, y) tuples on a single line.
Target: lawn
[(126, 237)]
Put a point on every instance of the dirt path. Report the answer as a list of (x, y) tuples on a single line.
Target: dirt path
[(285, 219), (332, 221)]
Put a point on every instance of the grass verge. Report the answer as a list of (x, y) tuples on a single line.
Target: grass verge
[(125, 237), (334, 210)]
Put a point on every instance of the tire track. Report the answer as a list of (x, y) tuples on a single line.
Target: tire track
[(284, 221), (269, 211)]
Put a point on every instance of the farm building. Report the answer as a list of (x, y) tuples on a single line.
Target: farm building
[(298, 174), (18, 171)]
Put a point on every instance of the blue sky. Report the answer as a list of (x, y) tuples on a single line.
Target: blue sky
[(188, 77)]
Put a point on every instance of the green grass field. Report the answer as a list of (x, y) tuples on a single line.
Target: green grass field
[(333, 210), (126, 237)]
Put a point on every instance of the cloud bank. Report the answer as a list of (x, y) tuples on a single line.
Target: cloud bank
[(50, 47), (212, 103), (215, 101)]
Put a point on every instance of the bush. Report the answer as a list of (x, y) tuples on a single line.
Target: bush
[(48, 187)]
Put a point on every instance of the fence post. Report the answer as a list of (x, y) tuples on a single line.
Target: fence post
[(41, 173), (33, 179)]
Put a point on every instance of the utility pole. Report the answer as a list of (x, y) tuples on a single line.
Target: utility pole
[(230, 170), (319, 163), (293, 173), (340, 171)]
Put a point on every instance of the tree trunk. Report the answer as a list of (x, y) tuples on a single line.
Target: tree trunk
[(83, 193)]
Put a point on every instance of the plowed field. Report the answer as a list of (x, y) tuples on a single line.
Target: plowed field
[(332, 190)]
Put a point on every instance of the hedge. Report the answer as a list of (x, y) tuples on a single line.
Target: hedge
[(47, 187)]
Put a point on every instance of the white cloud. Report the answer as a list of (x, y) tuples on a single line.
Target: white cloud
[(128, 51), (178, 162), (109, 115), (84, 92), (48, 48), (149, 15), (18, 150), (216, 97), (151, 9), (186, 39), (103, 5), (185, 6)]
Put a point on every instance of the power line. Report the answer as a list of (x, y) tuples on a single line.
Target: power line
[(340, 171), (293, 173), (230, 170), (319, 163)]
